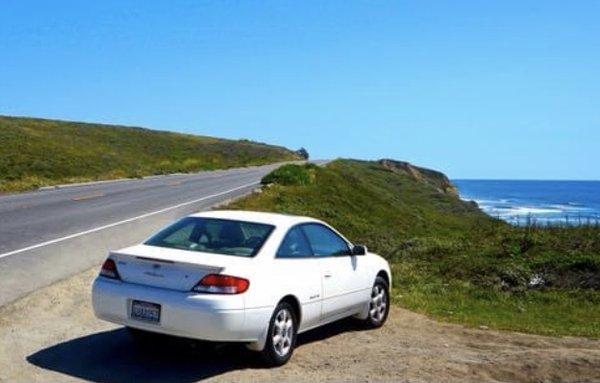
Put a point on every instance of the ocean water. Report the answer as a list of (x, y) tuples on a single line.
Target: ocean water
[(542, 202)]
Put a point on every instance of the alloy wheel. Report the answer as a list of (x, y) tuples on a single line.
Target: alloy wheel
[(283, 332), (379, 302)]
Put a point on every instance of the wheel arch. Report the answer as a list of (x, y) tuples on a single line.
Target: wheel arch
[(384, 274), (295, 303)]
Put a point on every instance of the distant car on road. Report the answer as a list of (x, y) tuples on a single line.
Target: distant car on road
[(257, 278)]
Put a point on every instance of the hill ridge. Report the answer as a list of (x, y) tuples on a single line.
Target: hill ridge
[(44, 152)]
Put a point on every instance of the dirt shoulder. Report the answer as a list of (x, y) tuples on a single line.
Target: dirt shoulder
[(52, 335)]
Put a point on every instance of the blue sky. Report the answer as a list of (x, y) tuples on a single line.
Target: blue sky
[(478, 89)]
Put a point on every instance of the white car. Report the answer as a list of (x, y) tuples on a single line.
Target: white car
[(257, 278)]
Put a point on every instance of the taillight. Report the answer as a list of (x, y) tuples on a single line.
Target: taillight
[(109, 269), (221, 284)]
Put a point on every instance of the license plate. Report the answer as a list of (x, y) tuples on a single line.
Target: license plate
[(145, 311)]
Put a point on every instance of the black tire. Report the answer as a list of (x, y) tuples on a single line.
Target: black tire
[(272, 353), (378, 313)]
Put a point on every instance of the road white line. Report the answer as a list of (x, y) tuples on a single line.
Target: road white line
[(71, 236)]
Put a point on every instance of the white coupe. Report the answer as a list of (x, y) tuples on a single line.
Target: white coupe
[(256, 278)]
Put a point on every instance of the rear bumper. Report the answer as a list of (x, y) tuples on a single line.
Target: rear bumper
[(186, 314)]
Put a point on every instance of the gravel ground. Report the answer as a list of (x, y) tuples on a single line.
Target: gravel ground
[(52, 335)]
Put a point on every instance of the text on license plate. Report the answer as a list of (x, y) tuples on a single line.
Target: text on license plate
[(145, 311)]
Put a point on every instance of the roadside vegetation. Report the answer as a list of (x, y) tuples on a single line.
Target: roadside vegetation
[(37, 152), (291, 174), (450, 260)]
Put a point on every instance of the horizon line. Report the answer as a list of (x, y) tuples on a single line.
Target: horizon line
[(527, 179)]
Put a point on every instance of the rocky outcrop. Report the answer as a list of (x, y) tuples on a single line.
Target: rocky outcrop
[(436, 179)]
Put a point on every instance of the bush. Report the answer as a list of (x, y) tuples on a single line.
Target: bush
[(289, 175), (303, 153)]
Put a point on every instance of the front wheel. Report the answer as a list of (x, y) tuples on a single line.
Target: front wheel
[(379, 305), (281, 338)]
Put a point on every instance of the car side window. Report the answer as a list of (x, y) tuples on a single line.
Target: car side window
[(324, 241), (294, 245)]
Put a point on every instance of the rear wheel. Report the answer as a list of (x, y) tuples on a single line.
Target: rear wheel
[(281, 338), (379, 305)]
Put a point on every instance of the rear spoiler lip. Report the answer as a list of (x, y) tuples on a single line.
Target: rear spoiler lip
[(155, 259), (209, 268)]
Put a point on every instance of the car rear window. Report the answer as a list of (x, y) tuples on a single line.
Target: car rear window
[(212, 235)]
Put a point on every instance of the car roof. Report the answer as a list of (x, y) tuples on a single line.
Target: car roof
[(284, 220)]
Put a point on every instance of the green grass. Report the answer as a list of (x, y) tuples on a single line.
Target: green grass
[(37, 152), (449, 260), (291, 175)]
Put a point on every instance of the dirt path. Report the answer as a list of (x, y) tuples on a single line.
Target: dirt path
[(52, 335)]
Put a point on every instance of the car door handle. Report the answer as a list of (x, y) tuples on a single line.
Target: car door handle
[(327, 274)]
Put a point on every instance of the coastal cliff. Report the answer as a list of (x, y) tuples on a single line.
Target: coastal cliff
[(431, 177)]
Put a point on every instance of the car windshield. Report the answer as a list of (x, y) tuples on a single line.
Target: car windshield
[(211, 235)]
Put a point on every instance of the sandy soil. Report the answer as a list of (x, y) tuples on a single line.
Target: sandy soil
[(52, 335)]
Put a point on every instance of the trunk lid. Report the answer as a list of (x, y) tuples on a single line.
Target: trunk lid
[(169, 268)]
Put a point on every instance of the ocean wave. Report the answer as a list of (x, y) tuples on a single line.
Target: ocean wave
[(551, 220), (529, 210), (540, 201), (491, 202), (525, 210), (575, 204), (571, 207)]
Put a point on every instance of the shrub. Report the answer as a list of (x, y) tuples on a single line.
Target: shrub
[(289, 175)]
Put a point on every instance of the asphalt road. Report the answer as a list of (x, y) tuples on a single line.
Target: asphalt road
[(49, 235)]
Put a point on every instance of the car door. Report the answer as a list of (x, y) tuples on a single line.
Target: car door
[(299, 273), (341, 272)]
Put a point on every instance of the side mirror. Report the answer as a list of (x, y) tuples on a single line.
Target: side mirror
[(359, 250)]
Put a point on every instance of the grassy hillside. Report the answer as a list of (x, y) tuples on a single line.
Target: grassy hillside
[(450, 260), (36, 152)]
